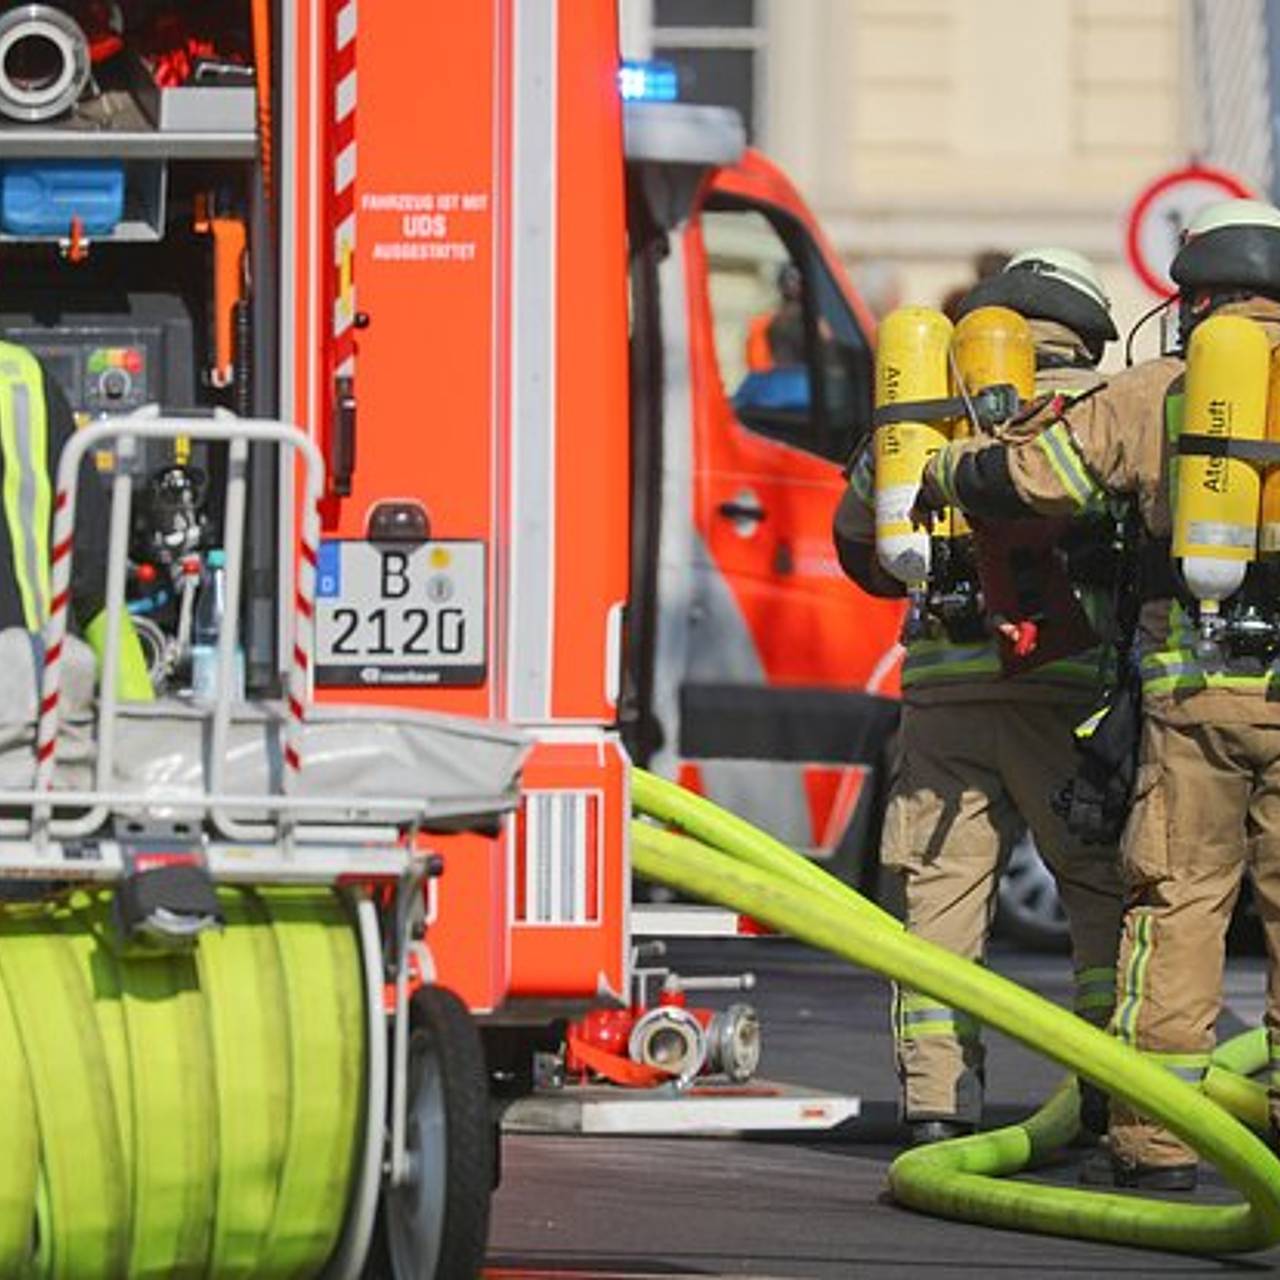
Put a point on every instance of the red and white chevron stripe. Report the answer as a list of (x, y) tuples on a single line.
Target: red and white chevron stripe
[(55, 631), (342, 198), (303, 635)]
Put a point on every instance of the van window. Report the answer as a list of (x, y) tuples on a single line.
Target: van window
[(792, 358)]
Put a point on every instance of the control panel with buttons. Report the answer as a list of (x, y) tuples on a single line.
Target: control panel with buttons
[(115, 379)]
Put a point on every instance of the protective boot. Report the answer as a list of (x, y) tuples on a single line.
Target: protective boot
[(1103, 1169), (1094, 1107), (926, 1132)]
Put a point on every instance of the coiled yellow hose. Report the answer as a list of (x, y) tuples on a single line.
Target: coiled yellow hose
[(179, 1115), (741, 867)]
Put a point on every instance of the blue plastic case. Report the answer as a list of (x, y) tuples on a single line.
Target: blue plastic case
[(40, 198)]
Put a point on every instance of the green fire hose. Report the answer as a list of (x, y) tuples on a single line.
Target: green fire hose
[(723, 859), (179, 1114)]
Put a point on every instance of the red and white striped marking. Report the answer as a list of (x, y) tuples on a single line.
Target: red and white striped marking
[(343, 197), (303, 636), (55, 631)]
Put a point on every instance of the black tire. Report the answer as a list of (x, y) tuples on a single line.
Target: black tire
[(1029, 909), (448, 1089)]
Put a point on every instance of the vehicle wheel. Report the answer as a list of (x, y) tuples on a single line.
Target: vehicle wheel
[(1030, 910), (436, 1226)]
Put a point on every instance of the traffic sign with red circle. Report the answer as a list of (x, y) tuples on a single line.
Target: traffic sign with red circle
[(1161, 212)]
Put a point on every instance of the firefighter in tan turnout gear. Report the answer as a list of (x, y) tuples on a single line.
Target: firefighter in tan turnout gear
[(1187, 442), (986, 733)]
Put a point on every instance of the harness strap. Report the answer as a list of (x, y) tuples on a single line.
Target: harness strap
[(991, 405), (1196, 445)]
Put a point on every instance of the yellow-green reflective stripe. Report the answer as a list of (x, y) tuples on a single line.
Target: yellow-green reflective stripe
[(914, 1000), (1060, 452), (1164, 672), (1135, 974), (936, 1022), (945, 474), (1086, 727), (942, 665), (1095, 1000), (955, 1029), (27, 497), (1096, 974), (860, 479), (933, 652), (939, 660)]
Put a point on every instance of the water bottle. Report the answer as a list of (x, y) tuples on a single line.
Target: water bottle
[(206, 627)]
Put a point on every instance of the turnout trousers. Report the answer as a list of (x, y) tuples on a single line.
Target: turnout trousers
[(1206, 807), (972, 776)]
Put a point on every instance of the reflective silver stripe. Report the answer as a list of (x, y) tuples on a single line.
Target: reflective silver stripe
[(1214, 533), (916, 1016), (965, 1026), (533, 358), (947, 655)]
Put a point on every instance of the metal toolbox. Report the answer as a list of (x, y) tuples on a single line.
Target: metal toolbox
[(194, 108)]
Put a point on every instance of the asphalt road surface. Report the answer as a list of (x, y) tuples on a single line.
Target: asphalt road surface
[(633, 1206)]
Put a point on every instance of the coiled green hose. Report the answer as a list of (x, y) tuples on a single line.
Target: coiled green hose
[(743, 868), (178, 1115)]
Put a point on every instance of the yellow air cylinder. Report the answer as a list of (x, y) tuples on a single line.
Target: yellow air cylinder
[(993, 346), (1269, 530), (911, 364), (1216, 499)]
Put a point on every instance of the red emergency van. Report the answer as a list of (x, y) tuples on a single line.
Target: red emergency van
[(762, 677)]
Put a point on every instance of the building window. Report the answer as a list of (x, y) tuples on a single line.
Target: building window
[(718, 48)]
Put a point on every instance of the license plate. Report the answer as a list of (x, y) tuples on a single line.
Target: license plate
[(400, 614)]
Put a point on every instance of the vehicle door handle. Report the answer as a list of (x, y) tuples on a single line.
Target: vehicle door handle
[(342, 460), (742, 508)]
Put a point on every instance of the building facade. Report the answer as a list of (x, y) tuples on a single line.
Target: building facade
[(926, 131)]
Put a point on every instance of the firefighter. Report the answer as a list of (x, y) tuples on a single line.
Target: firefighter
[(1207, 797), (36, 421), (980, 755)]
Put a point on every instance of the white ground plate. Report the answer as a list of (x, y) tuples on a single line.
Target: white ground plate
[(686, 920), (705, 1110)]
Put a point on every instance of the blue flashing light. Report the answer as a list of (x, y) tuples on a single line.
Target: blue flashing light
[(649, 82)]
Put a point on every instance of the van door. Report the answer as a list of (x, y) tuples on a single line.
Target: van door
[(776, 669)]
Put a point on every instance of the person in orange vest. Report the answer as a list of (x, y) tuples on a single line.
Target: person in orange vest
[(775, 339)]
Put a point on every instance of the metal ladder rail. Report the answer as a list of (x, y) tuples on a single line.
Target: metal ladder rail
[(237, 433)]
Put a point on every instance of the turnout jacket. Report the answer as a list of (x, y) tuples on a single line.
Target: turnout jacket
[(1119, 441)]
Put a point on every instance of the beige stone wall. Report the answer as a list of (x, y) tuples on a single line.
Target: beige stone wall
[(950, 98), (924, 130)]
